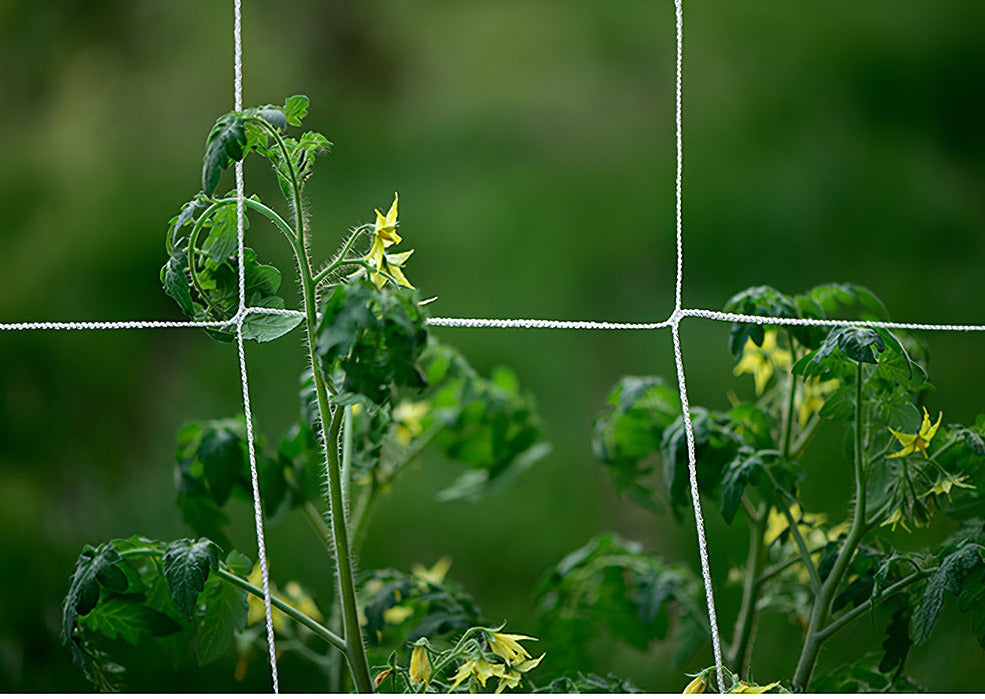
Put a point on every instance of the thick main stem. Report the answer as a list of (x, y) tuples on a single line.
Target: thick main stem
[(822, 605), (356, 652)]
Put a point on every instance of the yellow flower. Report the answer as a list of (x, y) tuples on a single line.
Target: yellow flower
[(763, 361), (481, 669), (420, 665), (301, 600), (807, 523), (397, 615), (257, 612), (895, 518), (696, 686), (379, 261), (407, 416), (435, 574), (528, 665), (385, 227), (919, 441), (507, 647), (749, 688), (811, 397), (944, 485), (508, 679)]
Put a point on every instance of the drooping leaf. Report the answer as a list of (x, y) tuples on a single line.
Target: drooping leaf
[(225, 613), (175, 282), (948, 577), (223, 237), (130, 618), (95, 567), (756, 301), (626, 437), (745, 469), (186, 565), (374, 337), (225, 145)]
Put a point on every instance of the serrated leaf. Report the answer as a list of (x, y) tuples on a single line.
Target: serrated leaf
[(295, 109), (225, 144), (225, 613), (128, 617), (186, 566), (743, 470), (859, 344), (94, 567), (756, 301), (947, 578), (175, 282), (223, 238)]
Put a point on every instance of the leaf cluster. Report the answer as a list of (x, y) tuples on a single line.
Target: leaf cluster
[(611, 583), (135, 590)]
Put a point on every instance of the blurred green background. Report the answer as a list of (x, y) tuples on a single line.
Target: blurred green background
[(533, 148)]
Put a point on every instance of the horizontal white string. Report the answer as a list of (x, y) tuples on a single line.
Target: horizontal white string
[(529, 323)]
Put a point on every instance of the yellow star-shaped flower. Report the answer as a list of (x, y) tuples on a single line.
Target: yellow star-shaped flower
[(385, 227), (382, 264), (507, 647), (919, 441), (763, 361)]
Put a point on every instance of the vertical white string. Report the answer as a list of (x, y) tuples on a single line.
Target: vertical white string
[(699, 523), (680, 155), (241, 315)]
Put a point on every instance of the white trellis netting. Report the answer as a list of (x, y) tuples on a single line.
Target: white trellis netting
[(672, 322)]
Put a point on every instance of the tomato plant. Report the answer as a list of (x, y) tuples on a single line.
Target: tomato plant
[(379, 388)]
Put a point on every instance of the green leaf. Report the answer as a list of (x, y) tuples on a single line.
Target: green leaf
[(128, 617), (175, 282), (272, 115), (264, 327), (745, 469), (611, 584), (715, 445), (947, 578), (239, 563), (95, 567), (375, 337), (225, 614), (223, 238), (756, 301), (296, 109), (186, 567), (896, 645), (225, 144), (858, 343)]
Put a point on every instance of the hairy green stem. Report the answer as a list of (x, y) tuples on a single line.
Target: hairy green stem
[(331, 426), (822, 604), (230, 577), (300, 617), (741, 649), (849, 617), (340, 258)]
